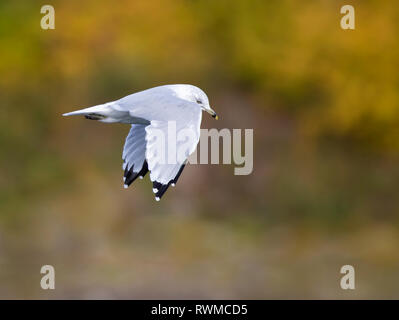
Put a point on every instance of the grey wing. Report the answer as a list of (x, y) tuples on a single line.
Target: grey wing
[(162, 172), (150, 105), (134, 162)]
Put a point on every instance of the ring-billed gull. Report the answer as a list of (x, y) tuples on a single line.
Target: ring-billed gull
[(151, 113)]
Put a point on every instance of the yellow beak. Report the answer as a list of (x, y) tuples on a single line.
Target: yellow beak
[(212, 113)]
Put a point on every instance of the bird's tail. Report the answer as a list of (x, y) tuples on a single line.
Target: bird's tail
[(100, 111)]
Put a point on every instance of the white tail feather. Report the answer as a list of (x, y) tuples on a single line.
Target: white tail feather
[(99, 109)]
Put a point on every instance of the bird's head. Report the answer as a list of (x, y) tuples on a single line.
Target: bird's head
[(202, 100), (196, 95)]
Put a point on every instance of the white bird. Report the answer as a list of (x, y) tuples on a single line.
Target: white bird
[(149, 112)]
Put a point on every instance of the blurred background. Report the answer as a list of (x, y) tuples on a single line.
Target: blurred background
[(323, 103)]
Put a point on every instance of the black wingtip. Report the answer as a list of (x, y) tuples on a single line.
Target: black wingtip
[(174, 181), (159, 189), (131, 176)]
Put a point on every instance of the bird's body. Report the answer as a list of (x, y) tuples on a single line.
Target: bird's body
[(150, 113)]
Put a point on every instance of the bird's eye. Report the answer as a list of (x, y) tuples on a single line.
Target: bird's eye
[(199, 101)]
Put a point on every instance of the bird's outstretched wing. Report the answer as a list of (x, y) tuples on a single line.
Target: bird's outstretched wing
[(169, 143), (134, 162)]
